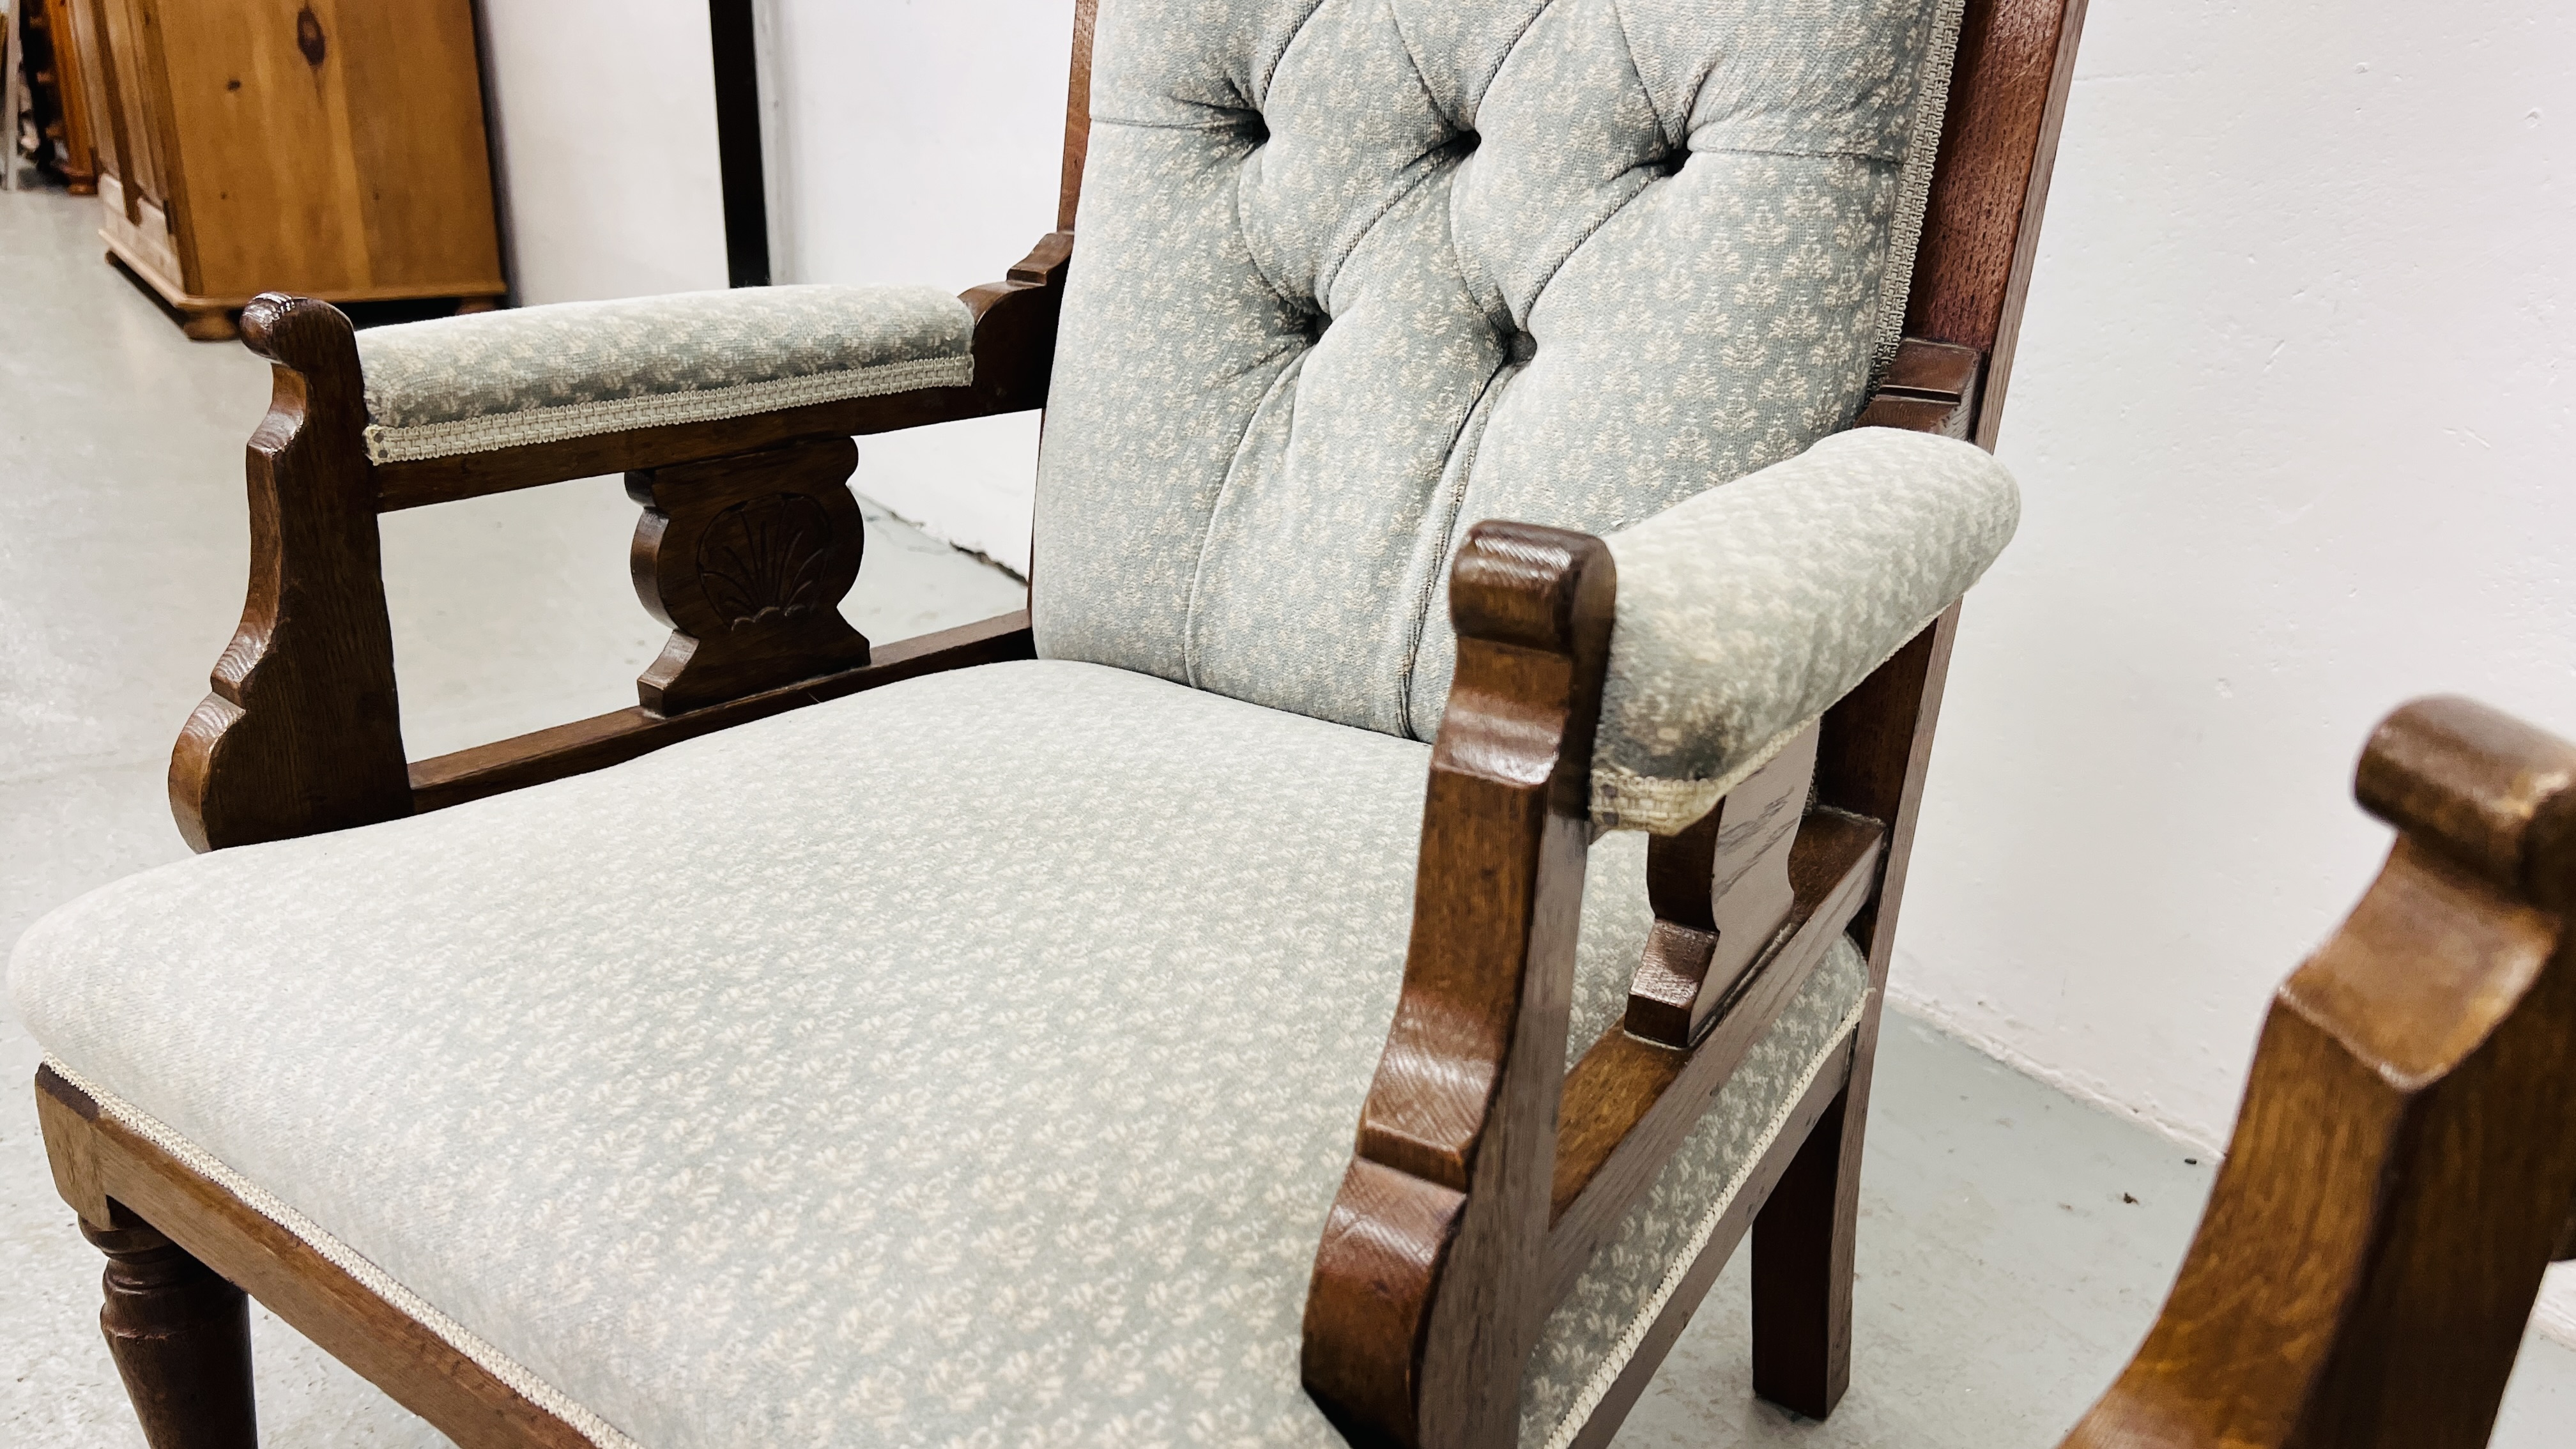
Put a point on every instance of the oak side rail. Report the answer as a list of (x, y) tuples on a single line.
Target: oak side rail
[(749, 540)]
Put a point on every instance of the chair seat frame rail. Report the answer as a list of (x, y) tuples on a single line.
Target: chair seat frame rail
[(1486, 1170)]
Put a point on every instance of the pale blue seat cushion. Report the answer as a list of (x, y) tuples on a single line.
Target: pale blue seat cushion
[(968, 1061), (573, 369)]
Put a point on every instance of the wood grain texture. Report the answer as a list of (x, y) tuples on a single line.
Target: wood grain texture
[(2404, 1162), (119, 1181), (1630, 1103), (301, 733), (180, 1336), (1014, 351), (748, 559), (1998, 147), (333, 147), (604, 740), (1931, 387), (138, 167), (1721, 894), (1077, 114), (1426, 1294)]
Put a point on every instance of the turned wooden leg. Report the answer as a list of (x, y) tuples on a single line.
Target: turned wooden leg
[(1802, 1264), (181, 1337)]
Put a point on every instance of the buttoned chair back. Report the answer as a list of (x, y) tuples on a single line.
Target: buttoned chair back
[(1358, 274)]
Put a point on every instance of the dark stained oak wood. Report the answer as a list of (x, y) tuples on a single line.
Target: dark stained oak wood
[(1998, 147), (1721, 895), (2404, 1160), (1077, 114), (1802, 1269), (1425, 1297), (748, 559), (1630, 1102), (610, 739), (181, 1339), (117, 1180), (301, 733), (1931, 387)]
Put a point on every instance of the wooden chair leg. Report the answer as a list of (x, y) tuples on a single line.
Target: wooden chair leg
[(181, 1337), (1802, 1265)]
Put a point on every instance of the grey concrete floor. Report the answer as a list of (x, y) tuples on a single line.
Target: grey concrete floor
[(2014, 1243)]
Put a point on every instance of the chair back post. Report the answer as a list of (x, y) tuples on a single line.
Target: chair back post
[(2404, 1161), (1998, 147), (1077, 113)]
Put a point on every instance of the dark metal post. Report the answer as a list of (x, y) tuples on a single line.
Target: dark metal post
[(746, 195)]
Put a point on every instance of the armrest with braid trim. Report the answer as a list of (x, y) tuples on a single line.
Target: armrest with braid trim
[(1747, 611), (498, 380)]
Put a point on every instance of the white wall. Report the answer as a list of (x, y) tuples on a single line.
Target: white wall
[(918, 141), (906, 142), (604, 124), (2292, 420)]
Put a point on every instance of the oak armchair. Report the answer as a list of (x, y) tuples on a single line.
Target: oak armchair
[(965, 1037)]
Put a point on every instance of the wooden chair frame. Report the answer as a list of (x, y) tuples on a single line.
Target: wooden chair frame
[(2404, 1166), (1486, 1173)]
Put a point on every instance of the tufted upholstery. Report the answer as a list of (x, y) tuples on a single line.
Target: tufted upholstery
[(1357, 273)]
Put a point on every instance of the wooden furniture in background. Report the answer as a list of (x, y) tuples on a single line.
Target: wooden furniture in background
[(2405, 1161), (58, 106), (334, 149)]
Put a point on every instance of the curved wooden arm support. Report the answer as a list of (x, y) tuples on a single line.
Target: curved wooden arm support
[(1439, 1261), (2406, 1155), (1426, 1295), (301, 733)]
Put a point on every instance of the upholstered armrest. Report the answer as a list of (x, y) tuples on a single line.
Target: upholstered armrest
[(1746, 611), (497, 380)]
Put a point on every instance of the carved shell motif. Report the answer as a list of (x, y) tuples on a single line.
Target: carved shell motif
[(763, 561)]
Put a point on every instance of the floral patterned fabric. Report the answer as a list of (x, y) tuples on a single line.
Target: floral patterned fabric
[(970, 1061), (1744, 612), (542, 374), (1356, 274)]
